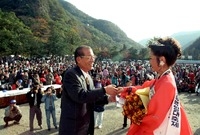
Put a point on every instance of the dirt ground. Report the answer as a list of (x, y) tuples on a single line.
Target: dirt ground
[(112, 123)]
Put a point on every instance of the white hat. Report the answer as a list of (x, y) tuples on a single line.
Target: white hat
[(13, 101)]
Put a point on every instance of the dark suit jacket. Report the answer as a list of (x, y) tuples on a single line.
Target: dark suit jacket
[(31, 98), (77, 104)]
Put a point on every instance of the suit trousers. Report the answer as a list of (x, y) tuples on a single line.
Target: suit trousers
[(34, 110)]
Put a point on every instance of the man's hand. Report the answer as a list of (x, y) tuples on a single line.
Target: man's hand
[(111, 90), (120, 89)]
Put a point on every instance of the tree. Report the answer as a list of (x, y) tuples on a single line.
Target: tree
[(56, 45), (152, 40), (133, 53), (143, 54), (14, 35)]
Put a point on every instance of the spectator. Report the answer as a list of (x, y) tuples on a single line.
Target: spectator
[(115, 79), (105, 72), (48, 99), (34, 98), (12, 113), (98, 109), (25, 79), (49, 77), (57, 78), (128, 83)]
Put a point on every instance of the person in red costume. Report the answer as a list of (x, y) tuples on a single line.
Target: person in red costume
[(163, 91)]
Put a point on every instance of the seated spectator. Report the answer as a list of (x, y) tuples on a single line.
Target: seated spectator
[(19, 84), (49, 77), (2, 79), (42, 78), (25, 79), (36, 79), (57, 78), (12, 113)]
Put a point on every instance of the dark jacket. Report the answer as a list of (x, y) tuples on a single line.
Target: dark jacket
[(77, 104), (99, 108), (31, 98)]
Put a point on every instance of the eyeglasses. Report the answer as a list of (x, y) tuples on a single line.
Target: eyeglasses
[(89, 56)]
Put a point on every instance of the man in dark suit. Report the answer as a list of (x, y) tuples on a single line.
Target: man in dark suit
[(79, 95)]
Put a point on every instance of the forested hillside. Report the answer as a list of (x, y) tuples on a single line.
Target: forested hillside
[(193, 50), (55, 27)]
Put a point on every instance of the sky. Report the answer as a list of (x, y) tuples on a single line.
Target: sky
[(142, 19)]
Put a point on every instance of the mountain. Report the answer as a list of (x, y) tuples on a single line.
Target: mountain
[(186, 38), (57, 28), (104, 26), (144, 41)]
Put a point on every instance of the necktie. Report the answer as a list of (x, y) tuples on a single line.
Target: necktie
[(87, 83)]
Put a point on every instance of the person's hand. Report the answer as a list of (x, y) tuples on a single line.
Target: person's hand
[(11, 108), (112, 98), (111, 90), (120, 89)]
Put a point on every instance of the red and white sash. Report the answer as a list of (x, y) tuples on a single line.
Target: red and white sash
[(172, 123)]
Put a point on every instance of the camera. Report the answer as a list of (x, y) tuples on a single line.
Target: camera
[(53, 91)]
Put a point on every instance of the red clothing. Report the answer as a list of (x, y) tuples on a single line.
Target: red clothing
[(158, 107), (191, 75), (133, 80), (103, 82), (128, 71), (57, 79), (108, 82), (14, 86), (43, 80)]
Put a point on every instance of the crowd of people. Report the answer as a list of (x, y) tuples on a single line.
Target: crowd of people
[(86, 84), (23, 72)]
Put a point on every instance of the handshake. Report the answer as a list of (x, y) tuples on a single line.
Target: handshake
[(113, 91)]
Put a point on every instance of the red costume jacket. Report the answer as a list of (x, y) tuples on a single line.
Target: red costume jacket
[(165, 89)]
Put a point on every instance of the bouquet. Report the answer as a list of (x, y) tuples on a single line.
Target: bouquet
[(135, 106)]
